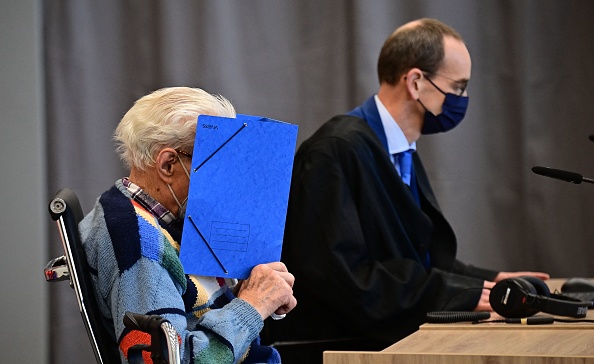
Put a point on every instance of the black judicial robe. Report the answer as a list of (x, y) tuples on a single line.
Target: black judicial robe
[(355, 239)]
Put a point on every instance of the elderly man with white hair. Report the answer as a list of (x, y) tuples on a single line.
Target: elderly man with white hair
[(133, 235)]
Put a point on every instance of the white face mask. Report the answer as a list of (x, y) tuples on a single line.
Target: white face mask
[(182, 205)]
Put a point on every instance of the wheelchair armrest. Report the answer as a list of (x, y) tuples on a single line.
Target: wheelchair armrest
[(164, 346)]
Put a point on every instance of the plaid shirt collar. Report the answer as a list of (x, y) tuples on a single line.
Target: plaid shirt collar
[(164, 216)]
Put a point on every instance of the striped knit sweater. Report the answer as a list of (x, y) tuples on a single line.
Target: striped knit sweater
[(135, 267)]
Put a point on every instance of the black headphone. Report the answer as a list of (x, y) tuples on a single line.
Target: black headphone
[(523, 297)]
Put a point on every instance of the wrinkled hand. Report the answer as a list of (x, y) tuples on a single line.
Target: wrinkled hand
[(505, 275), (269, 288), (484, 304)]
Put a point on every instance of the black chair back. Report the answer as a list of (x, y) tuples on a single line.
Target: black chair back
[(65, 209)]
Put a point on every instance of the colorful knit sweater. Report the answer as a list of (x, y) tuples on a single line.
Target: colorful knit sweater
[(135, 267)]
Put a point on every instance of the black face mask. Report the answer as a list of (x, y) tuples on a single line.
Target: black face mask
[(452, 112)]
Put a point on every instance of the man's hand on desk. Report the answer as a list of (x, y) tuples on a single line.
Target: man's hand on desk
[(505, 275), (483, 304)]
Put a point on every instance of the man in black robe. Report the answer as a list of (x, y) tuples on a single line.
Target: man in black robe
[(365, 238)]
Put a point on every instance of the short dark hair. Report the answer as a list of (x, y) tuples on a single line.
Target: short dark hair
[(419, 46)]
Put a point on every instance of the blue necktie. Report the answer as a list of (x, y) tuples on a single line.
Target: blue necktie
[(406, 170), (405, 164)]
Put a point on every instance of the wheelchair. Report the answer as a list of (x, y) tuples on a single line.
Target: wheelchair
[(66, 211)]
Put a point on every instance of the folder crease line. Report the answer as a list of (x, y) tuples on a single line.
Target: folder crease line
[(219, 148), (208, 245)]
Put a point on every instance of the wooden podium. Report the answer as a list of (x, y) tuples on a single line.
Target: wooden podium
[(487, 343)]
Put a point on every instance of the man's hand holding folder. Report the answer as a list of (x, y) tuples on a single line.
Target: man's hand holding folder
[(267, 291)]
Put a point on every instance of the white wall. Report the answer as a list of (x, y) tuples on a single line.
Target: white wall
[(23, 209)]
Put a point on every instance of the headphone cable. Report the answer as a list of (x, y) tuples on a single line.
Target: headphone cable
[(448, 317), (539, 320)]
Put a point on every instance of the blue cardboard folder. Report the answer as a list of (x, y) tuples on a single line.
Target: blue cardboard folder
[(239, 191)]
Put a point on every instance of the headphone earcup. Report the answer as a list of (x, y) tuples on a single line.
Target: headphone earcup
[(523, 297), (513, 298), (525, 284), (539, 285)]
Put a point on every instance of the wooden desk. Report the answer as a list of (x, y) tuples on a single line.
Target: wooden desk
[(465, 343)]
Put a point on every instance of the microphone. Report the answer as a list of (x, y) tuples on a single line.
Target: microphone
[(561, 175)]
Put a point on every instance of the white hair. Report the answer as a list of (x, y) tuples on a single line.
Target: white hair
[(165, 118)]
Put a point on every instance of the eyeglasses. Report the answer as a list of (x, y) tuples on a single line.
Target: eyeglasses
[(184, 153), (460, 85)]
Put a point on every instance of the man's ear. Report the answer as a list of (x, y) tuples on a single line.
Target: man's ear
[(412, 77), (164, 162)]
